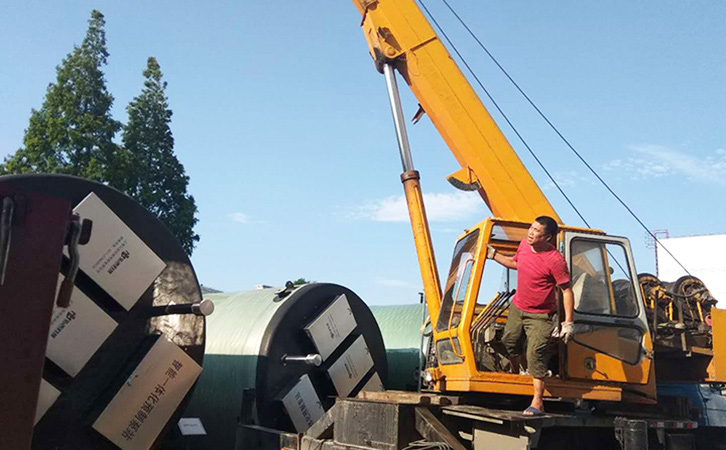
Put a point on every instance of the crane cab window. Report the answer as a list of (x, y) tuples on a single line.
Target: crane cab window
[(457, 283), (603, 287), (497, 278), (601, 279), (508, 233)]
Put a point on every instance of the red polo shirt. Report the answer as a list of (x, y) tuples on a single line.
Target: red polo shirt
[(537, 276)]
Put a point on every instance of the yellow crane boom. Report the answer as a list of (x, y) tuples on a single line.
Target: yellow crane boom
[(400, 35), (595, 364)]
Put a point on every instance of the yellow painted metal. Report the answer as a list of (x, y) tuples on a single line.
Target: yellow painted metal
[(464, 179), (468, 309), (717, 368), (465, 377), (397, 31), (504, 383), (599, 352), (608, 368), (422, 240), (468, 367)]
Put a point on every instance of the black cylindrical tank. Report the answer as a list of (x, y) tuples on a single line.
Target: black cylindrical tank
[(245, 375), (81, 391)]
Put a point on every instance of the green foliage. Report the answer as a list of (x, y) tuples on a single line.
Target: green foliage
[(72, 132), (301, 281), (152, 174)]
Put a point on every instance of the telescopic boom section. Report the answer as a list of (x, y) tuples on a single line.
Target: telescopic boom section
[(399, 34), (415, 203)]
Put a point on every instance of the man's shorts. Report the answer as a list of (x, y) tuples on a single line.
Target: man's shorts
[(537, 328)]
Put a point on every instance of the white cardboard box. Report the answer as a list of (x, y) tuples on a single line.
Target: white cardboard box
[(47, 395), (115, 257), (147, 400), (191, 426), (332, 326), (77, 332), (303, 404), (347, 371), (374, 384)]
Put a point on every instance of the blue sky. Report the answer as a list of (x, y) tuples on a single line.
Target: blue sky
[(283, 124)]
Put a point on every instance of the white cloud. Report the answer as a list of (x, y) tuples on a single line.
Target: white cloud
[(659, 161), (638, 168), (240, 218), (568, 178), (439, 208), (396, 283)]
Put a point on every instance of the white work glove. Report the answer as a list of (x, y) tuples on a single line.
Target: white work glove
[(567, 331), (491, 252)]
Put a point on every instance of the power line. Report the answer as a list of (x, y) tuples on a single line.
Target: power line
[(509, 122), (544, 117)]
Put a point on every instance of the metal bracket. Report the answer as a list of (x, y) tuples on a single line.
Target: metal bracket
[(420, 112), (79, 233), (430, 427), (284, 292)]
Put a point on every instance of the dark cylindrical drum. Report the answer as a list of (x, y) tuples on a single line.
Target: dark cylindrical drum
[(278, 359), (115, 377)]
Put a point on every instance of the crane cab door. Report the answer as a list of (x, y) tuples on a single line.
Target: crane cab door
[(612, 341)]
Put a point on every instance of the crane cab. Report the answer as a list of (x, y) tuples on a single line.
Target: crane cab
[(610, 355)]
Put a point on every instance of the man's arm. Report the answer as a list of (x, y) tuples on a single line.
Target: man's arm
[(568, 300), (506, 261)]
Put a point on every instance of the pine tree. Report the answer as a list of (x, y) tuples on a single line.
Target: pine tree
[(72, 132), (154, 176)]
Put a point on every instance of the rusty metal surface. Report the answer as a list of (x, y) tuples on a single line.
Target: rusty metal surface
[(503, 416), (384, 426), (431, 428), (26, 304)]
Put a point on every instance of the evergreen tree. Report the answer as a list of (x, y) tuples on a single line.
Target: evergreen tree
[(154, 176), (72, 132)]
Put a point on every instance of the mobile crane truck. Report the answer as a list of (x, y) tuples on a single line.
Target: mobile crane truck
[(631, 332)]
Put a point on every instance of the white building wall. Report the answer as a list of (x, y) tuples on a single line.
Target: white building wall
[(703, 256)]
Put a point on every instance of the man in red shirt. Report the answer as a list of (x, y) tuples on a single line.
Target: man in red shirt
[(540, 268)]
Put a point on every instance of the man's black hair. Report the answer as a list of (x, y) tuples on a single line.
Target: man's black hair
[(551, 227)]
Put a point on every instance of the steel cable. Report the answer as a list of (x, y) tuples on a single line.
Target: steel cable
[(544, 117)]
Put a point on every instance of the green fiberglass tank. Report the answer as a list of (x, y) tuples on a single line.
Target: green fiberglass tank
[(401, 329)]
